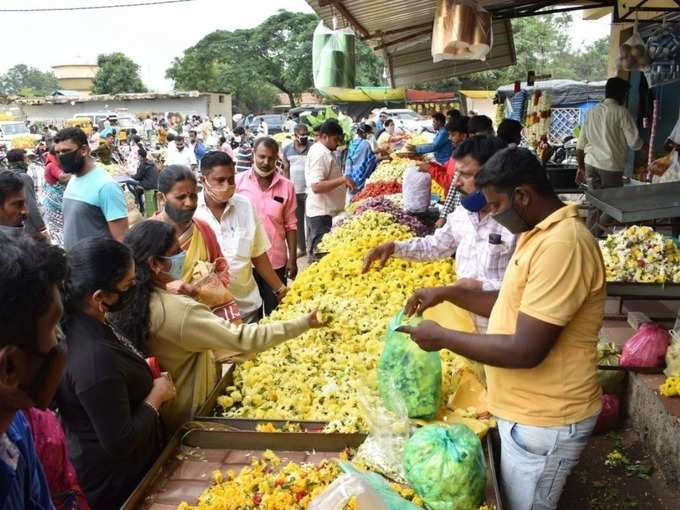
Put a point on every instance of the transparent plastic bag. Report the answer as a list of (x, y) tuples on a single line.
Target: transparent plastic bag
[(646, 348), (633, 53), (445, 466), (673, 356), (388, 432), (370, 489), (414, 373), (462, 31), (333, 57)]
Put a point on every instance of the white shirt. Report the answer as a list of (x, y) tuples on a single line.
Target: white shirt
[(263, 129), (148, 125), (608, 131), (321, 165), (476, 257), (242, 238), (186, 157)]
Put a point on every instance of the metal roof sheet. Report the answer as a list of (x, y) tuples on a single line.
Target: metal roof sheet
[(400, 32)]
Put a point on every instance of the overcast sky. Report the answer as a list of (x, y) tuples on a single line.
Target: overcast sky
[(150, 35)]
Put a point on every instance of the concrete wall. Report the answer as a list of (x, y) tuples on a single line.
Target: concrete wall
[(186, 106)]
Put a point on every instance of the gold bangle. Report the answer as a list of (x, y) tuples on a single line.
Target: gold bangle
[(283, 287), (155, 409)]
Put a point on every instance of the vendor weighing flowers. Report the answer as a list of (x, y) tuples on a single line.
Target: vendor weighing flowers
[(540, 348)]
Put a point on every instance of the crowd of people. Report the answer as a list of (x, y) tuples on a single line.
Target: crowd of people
[(93, 306)]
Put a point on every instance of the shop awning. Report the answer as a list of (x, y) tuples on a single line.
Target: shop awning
[(363, 94), (400, 32)]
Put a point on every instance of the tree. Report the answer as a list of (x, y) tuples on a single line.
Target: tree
[(27, 81), (253, 63), (117, 74), (590, 63)]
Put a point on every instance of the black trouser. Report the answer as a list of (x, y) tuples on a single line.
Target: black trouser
[(300, 216), (317, 227), (269, 299)]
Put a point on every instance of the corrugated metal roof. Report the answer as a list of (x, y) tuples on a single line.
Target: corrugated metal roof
[(405, 26)]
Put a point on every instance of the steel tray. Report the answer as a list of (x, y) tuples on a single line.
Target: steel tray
[(184, 469)]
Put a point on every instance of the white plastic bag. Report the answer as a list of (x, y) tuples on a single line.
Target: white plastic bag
[(417, 190), (633, 53), (462, 31), (338, 494)]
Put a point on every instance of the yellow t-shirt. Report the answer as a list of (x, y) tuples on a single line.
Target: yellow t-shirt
[(556, 275)]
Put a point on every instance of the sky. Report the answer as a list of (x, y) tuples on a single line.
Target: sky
[(151, 35)]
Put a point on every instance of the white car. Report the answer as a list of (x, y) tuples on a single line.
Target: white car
[(409, 120), (11, 129)]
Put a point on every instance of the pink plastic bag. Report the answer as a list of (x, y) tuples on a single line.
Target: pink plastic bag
[(646, 348), (609, 418)]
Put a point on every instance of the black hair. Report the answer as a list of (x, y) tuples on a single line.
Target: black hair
[(222, 140), (172, 175), (479, 147), (459, 125), (136, 139), (215, 158), (170, 137), (616, 88), (238, 131), (15, 155), (150, 238), (300, 127), (453, 114), (29, 268), (316, 129), (511, 168), (480, 125), (141, 151), (510, 131), (331, 127), (76, 135), (268, 142), (97, 263), (364, 128), (9, 183), (439, 117), (388, 122)]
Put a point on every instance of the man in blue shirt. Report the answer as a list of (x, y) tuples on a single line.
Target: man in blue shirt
[(441, 146), (197, 145), (94, 204), (32, 361)]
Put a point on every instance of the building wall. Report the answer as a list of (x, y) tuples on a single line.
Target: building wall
[(219, 103), (83, 85), (185, 106)]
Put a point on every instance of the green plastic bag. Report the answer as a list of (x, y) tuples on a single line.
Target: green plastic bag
[(445, 466), (415, 375)]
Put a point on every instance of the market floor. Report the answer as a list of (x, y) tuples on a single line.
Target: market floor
[(632, 483)]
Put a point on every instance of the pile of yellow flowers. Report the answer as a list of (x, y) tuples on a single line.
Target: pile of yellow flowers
[(671, 387), (319, 375), (641, 255), (391, 170)]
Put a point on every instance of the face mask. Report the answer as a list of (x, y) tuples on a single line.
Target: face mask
[(124, 299), (474, 202), (72, 162), (304, 140), (178, 215), (220, 195), (12, 232), (512, 220), (264, 173), (176, 265), (43, 388)]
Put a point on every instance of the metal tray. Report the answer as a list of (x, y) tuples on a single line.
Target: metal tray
[(644, 290), (184, 469), (206, 412), (630, 204)]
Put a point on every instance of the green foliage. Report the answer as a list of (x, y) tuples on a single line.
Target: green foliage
[(117, 74), (23, 80), (321, 117), (257, 63)]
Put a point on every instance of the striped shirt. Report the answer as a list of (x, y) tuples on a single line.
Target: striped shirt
[(483, 249), (244, 157)]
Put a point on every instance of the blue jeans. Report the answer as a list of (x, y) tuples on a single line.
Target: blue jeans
[(536, 461)]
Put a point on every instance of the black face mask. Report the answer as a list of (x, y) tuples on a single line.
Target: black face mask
[(512, 220), (304, 140), (124, 299), (72, 162), (178, 215)]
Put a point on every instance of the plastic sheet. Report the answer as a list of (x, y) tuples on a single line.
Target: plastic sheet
[(462, 31), (610, 416)]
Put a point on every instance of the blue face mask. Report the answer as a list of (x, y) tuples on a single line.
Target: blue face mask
[(176, 264), (474, 202)]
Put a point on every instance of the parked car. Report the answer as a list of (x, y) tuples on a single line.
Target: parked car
[(12, 129), (409, 120), (274, 122)]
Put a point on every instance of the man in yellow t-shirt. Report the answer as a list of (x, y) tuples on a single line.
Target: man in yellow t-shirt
[(540, 350)]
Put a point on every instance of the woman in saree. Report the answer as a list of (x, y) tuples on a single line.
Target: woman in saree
[(199, 269), (53, 190), (361, 160)]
